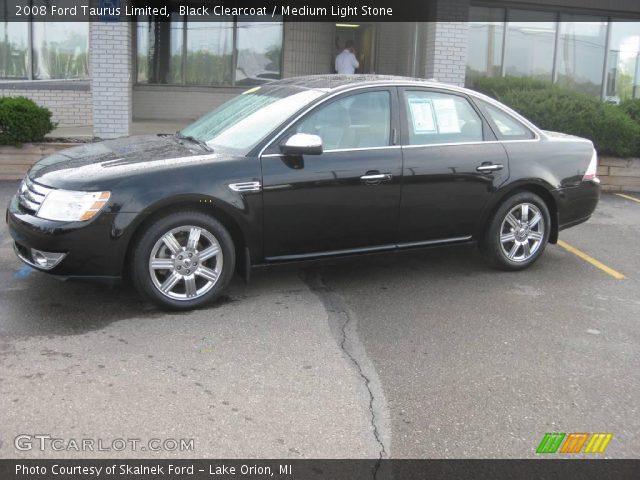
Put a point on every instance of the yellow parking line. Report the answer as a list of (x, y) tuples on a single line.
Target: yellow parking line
[(587, 258), (628, 197)]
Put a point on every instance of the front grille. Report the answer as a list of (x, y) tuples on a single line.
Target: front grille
[(31, 195)]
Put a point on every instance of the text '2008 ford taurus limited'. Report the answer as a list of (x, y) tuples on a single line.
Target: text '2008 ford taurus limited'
[(301, 169)]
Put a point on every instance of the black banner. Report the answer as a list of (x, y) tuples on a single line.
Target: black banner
[(277, 10), (320, 469)]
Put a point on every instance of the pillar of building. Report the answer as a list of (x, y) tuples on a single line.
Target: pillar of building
[(445, 54), (111, 78)]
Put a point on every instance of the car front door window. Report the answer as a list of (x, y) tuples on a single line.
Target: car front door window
[(358, 121)]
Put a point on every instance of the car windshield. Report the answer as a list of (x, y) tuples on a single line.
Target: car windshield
[(242, 122)]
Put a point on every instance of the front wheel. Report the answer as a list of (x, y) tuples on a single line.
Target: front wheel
[(183, 260), (518, 232)]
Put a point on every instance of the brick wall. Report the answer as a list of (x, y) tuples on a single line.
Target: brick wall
[(619, 174), (446, 42), (70, 107), (111, 78), (166, 102)]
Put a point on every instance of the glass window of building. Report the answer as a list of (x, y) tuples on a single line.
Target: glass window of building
[(60, 50), (486, 31), (259, 52), (581, 52), (195, 52), (209, 53), (529, 44), (49, 50), (623, 65), (14, 49)]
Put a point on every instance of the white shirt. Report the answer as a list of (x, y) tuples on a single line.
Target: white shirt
[(346, 62)]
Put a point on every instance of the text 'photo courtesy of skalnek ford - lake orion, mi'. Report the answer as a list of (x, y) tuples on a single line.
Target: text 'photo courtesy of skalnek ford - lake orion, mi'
[(306, 240)]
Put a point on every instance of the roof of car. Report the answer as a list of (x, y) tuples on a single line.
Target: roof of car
[(334, 82)]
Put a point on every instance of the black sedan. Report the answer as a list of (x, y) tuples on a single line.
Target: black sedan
[(301, 169)]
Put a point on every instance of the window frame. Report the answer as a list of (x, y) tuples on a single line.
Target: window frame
[(487, 132), (183, 67)]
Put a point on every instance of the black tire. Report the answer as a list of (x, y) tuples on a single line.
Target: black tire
[(513, 255), (208, 277)]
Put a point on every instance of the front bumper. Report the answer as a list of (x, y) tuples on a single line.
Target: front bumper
[(91, 249), (38, 258)]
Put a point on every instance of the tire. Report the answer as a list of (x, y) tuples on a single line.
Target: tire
[(511, 244), (198, 254)]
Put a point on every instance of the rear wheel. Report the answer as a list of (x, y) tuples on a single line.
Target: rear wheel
[(518, 232), (183, 260)]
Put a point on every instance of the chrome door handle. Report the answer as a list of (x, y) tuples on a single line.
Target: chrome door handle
[(489, 167), (383, 177)]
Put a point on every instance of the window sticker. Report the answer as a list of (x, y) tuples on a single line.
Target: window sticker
[(446, 115), (422, 115)]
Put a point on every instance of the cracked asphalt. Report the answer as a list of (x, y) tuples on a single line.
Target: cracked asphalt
[(427, 354)]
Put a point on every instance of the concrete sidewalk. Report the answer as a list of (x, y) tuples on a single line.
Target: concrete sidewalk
[(138, 127)]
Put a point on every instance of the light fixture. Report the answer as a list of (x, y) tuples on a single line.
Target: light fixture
[(347, 25)]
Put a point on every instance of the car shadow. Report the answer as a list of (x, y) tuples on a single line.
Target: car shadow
[(37, 304)]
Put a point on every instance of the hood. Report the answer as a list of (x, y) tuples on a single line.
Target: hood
[(89, 163)]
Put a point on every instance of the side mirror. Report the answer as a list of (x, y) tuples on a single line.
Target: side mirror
[(302, 144)]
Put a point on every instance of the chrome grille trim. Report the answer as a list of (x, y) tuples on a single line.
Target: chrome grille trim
[(31, 194), (39, 189)]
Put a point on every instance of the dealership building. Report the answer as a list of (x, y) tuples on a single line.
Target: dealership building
[(108, 76)]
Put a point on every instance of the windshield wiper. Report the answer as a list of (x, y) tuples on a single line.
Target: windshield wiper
[(195, 140)]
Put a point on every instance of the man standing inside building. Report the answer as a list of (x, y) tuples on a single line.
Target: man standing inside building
[(346, 61)]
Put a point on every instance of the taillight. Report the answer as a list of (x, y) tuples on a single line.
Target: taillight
[(592, 169)]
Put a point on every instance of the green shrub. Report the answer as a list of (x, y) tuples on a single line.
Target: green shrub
[(632, 108), (497, 86), (609, 127), (21, 120)]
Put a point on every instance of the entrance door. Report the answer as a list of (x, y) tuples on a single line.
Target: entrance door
[(362, 35)]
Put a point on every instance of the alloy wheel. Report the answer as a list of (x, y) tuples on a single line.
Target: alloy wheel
[(522, 232), (185, 263)]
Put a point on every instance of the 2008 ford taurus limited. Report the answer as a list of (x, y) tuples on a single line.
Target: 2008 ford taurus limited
[(299, 169)]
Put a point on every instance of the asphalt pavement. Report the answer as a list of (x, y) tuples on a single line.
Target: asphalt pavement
[(427, 354)]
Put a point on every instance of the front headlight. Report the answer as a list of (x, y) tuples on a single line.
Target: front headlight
[(70, 206)]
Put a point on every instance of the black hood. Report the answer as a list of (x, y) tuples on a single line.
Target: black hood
[(86, 164)]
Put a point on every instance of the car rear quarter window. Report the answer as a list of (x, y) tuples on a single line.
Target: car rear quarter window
[(504, 125), (439, 118), (361, 120)]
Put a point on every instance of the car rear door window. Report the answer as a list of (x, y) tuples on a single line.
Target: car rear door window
[(437, 118), (362, 120), (505, 126)]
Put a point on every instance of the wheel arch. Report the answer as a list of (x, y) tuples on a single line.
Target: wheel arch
[(533, 187), (207, 206)]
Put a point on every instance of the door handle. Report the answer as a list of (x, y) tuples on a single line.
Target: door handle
[(489, 167), (375, 177)]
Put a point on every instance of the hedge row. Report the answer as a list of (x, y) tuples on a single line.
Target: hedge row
[(613, 129), (21, 121)]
